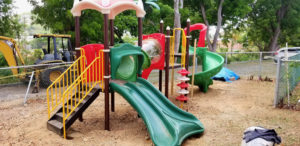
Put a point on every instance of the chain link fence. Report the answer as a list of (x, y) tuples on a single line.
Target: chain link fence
[(251, 64), (288, 77), (245, 64), (23, 81)]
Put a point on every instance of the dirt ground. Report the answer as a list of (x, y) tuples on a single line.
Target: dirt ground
[(225, 111)]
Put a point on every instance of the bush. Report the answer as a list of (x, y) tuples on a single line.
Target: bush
[(3, 61), (127, 38), (238, 57), (38, 54)]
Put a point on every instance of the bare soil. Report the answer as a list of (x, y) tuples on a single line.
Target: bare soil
[(226, 111)]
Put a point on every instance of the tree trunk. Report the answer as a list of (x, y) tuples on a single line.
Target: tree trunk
[(207, 24), (213, 46), (177, 24), (274, 41), (181, 4), (280, 14), (220, 18)]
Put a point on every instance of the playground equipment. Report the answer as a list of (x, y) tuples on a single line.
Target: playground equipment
[(183, 85), (212, 63), (167, 124), (11, 52)]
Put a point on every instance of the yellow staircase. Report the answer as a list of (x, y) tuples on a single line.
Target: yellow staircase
[(73, 91)]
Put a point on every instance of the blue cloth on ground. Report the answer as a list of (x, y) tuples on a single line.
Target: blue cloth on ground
[(225, 75)]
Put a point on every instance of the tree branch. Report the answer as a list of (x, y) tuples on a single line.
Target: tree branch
[(206, 23), (220, 19)]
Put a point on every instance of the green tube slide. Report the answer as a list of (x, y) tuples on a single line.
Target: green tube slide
[(167, 124), (212, 63)]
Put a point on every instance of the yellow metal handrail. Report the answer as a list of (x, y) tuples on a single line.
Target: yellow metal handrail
[(85, 82), (172, 54), (56, 89), (172, 48)]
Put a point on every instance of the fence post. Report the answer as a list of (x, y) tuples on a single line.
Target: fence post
[(260, 64), (226, 59), (276, 98), (28, 87)]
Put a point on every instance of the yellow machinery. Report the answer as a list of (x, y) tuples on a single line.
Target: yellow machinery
[(45, 74)]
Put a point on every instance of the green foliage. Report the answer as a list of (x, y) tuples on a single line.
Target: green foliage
[(239, 56), (38, 54), (126, 21), (3, 61), (9, 23), (267, 15), (60, 20), (28, 56), (233, 10), (130, 39)]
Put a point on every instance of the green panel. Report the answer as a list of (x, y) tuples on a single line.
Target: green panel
[(147, 60), (127, 69), (167, 124), (126, 62), (212, 63)]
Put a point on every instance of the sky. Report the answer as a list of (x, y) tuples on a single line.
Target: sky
[(22, 6)]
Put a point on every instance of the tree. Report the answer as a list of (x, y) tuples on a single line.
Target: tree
[(9, 23), (151, 22), (177, 23), (219, 13), (56, 16), (274, 22)]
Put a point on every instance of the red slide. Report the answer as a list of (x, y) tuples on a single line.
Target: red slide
[(203, 28)]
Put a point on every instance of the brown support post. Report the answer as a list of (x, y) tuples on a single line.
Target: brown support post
[(106, 72), (167, 59), (161, 30), (112, 39), (188, 24), (77, 35), (140, 31), (77, 45), (140, 34), (187, 44)]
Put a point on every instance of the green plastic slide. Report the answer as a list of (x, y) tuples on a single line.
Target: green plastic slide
[(212, 63), (167, 124)]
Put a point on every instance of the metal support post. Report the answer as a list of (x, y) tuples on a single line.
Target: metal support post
[(28, 87)]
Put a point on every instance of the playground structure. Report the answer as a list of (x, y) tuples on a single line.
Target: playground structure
[(45, 75), (109, 69)]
